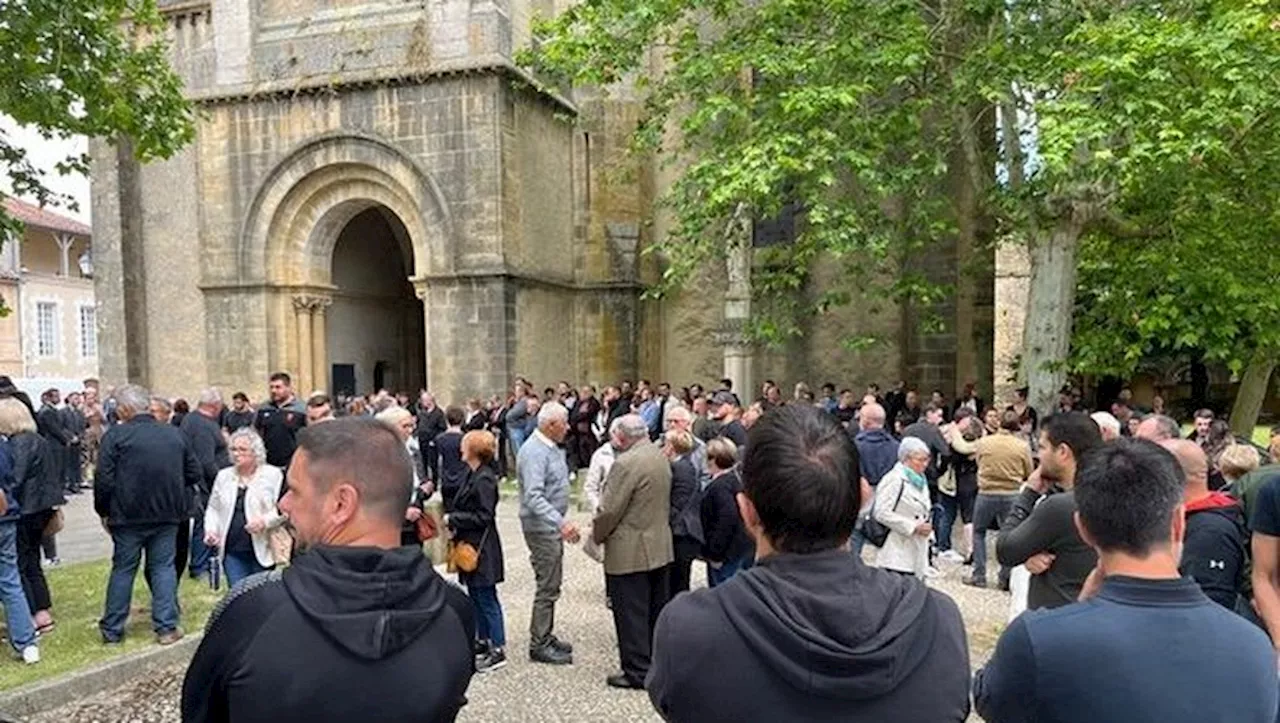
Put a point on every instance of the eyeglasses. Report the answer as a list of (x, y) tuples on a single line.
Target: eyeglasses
[(241, 450)]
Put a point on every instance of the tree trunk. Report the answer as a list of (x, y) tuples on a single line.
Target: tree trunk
[(1050, 310), (1252, 392)]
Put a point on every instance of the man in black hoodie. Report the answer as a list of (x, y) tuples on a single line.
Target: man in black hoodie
[(808, 634), (357, 628), (1215, 552)]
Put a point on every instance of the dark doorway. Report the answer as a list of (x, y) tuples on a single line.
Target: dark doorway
[(344, 379), (376, 321)]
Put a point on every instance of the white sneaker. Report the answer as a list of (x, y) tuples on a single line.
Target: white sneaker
[(31, 655), (951, 556)]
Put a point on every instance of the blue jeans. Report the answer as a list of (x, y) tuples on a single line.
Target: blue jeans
[(989, 512), (517, 437), (239, 565), (944, 518), (160, 543), (721, 575), (22, 631), (200, 552), (489, 623)]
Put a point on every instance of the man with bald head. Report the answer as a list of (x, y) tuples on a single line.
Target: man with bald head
[(877, 454), (1214, 550)]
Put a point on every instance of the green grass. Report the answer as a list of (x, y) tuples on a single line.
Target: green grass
[(78, 593)]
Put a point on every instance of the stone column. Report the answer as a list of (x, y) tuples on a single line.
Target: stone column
[(302, 306), (320, 343), (739, 356), (1013, 283)]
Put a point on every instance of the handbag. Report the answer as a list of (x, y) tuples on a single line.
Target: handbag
[(875, 531), (55, 523), (465, 557), (426, 528)]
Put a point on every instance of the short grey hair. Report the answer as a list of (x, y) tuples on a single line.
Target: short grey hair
[(910, 447), (632, 427), (165, 404), (552, 412), (680, 412), (133, 398), (255, 443), (209, 397), (1168, 426)]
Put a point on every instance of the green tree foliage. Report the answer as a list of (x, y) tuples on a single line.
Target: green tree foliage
[(86, 67), (1136, 123), (1198, 170)]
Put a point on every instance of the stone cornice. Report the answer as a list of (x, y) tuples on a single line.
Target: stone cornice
[(427, 280), (330, 82)]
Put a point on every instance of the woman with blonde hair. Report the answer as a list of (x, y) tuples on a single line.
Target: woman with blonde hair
[(473, 522), (39, 496), (242, 508)]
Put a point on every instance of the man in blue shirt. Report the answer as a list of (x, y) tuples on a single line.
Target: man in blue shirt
[(1143, 643)]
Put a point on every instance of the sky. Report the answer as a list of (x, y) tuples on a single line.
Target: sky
[(44, 155)]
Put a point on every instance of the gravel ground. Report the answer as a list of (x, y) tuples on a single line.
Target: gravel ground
[(524, 691)]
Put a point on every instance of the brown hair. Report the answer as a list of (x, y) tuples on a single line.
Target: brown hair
[(482, 444)]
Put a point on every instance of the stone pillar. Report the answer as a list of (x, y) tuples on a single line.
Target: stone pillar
[(320, 343), (302, 306), (739, 355)]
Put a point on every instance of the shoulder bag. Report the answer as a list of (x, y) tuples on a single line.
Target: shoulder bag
[(875, 531)]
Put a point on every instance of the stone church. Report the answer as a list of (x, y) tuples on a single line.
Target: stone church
[(377, 197)]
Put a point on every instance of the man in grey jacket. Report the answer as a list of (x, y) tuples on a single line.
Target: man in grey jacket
[(544, 502)]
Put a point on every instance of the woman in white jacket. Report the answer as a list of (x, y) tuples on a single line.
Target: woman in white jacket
[(903, 505), (242, 508)]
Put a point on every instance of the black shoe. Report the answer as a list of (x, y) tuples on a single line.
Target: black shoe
[(550, 655), (479, 648), (975, 582), (624, 681), (560, 645), (968, 561), (1002, 585), (491, 661)]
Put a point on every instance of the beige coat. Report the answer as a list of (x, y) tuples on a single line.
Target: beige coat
[(633, 522), (903, 550)]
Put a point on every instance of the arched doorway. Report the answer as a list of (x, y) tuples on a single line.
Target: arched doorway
[(375, 333)]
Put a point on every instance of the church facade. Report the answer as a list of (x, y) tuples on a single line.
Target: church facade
[(377, 196)]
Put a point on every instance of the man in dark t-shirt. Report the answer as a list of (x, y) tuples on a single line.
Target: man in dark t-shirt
[(447, 467), (239, 416), (278, 422)]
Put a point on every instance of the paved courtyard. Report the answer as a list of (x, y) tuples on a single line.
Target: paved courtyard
[(522, 691)]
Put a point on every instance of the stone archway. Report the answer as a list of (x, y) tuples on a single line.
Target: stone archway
[(294, 226)]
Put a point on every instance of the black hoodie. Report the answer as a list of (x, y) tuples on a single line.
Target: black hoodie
[(1215, 548), (343, 634), (818, 637)]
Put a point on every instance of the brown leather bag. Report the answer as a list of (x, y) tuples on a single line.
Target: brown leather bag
[(426, 527), (463, 556)]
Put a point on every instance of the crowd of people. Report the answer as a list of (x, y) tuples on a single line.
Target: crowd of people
[(1113, 534)]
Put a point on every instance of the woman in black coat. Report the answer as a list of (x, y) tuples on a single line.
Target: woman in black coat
[(686, 506), (726, 546), (41, 492), (473, 520)]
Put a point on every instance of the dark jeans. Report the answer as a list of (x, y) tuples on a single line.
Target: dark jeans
[(637, 600), (489, 621), (200, 552), (988, 514), (239, 565), (159, 542), (546, 554), (687, 550), (182, 547), (30, 533), (49, 545), (944, 517)]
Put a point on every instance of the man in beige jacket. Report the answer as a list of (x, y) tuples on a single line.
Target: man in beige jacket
[(633, 525), (1004, 463)]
